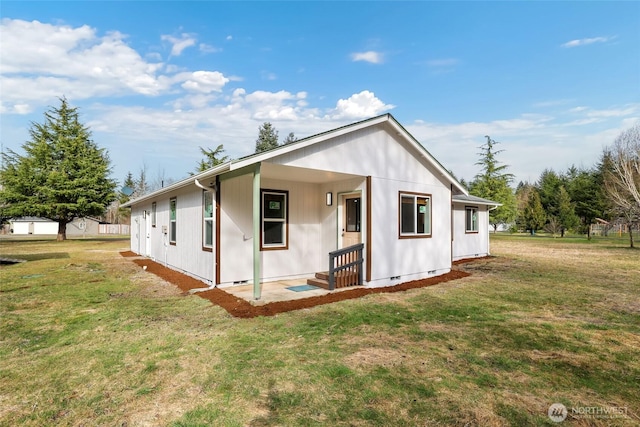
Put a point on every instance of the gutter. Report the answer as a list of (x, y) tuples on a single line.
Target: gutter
[(218, 170)]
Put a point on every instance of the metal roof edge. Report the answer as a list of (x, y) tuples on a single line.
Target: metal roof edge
[(216, 170)]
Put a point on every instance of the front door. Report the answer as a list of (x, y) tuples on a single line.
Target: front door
[(351, 220)]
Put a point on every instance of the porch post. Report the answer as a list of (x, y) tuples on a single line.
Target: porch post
[(257, 291)]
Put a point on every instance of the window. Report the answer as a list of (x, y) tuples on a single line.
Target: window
[(415, 215), (353, 214), (274, 219), (172, 220), (153, 214), (207, 208), (471, 219)]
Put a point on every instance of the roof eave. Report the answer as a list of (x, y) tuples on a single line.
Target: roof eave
[(217, 170)]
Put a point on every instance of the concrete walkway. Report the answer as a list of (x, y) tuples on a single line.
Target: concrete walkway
[(277, 291)]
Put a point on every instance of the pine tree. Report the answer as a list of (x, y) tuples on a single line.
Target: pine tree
[(289, 139), (534, 216), (267, 138), (493, 184), (212, 158), (566, 214), (586, 189), (62, 175)]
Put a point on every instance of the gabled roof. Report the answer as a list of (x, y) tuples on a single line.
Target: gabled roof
[(475, 200), (253, 159)]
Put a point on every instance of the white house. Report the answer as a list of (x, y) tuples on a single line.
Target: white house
[(369, 188)]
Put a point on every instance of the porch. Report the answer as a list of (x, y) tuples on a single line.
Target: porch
[(282, 290)]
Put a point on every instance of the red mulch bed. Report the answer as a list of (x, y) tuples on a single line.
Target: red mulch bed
[(240, 308), (466, 260), (127, 254)]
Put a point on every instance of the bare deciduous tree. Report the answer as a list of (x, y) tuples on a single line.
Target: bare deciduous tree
[(622, 176)]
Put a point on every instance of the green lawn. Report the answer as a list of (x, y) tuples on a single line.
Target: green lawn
[(88, 338)]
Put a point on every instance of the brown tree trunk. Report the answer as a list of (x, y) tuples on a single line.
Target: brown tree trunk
[(62, 231), (631, 235)]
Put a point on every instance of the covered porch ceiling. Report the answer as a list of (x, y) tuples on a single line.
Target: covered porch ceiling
[(291, 173)]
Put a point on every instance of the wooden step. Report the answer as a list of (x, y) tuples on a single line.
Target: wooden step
[(319, 283), (322, 278)]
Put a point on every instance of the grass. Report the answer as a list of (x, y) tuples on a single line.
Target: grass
[(88, 338)]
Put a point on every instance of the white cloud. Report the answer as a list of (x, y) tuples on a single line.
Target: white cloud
[(369, 56), (229, 38), (360, 105), (179, 43), (586, 41), (203, 81), (42, 61), (530, 142)]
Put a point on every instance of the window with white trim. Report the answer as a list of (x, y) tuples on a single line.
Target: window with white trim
[(172, 220), (415, 215), (207, 219), (274, 218), (154, 209), (471, 219)]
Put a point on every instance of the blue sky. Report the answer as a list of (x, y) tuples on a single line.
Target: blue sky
[(554, 82)]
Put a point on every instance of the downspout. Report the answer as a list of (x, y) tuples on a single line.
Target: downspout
[(256, 233)]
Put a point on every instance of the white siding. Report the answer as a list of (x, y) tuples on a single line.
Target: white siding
[(35, 227), (236, 229), (187, 254), (470, 245), (412, 258), (371, 151), (304, 256)]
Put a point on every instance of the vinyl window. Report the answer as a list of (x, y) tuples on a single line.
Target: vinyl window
[(471, 221), (207, 219), (274, 218), (172, 220), (415, 215)]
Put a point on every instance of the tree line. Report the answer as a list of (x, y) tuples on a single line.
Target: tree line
[(570, 200)]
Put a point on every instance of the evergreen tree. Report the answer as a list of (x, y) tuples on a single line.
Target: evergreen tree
[(62, 175), (212, 158), (548, 187), (586, 189), (493, 184), (289, 139), (566, 214), (267, 138), (534, 216)]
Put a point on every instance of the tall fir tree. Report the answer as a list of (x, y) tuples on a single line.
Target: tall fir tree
[(62, 175), (267, 138), (493, 184), (586, 189), (534, 216)]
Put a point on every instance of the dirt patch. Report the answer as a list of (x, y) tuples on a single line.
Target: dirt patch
[(127, 254), (238, 307)]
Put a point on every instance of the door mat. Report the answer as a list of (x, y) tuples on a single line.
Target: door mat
[(302, 288)]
